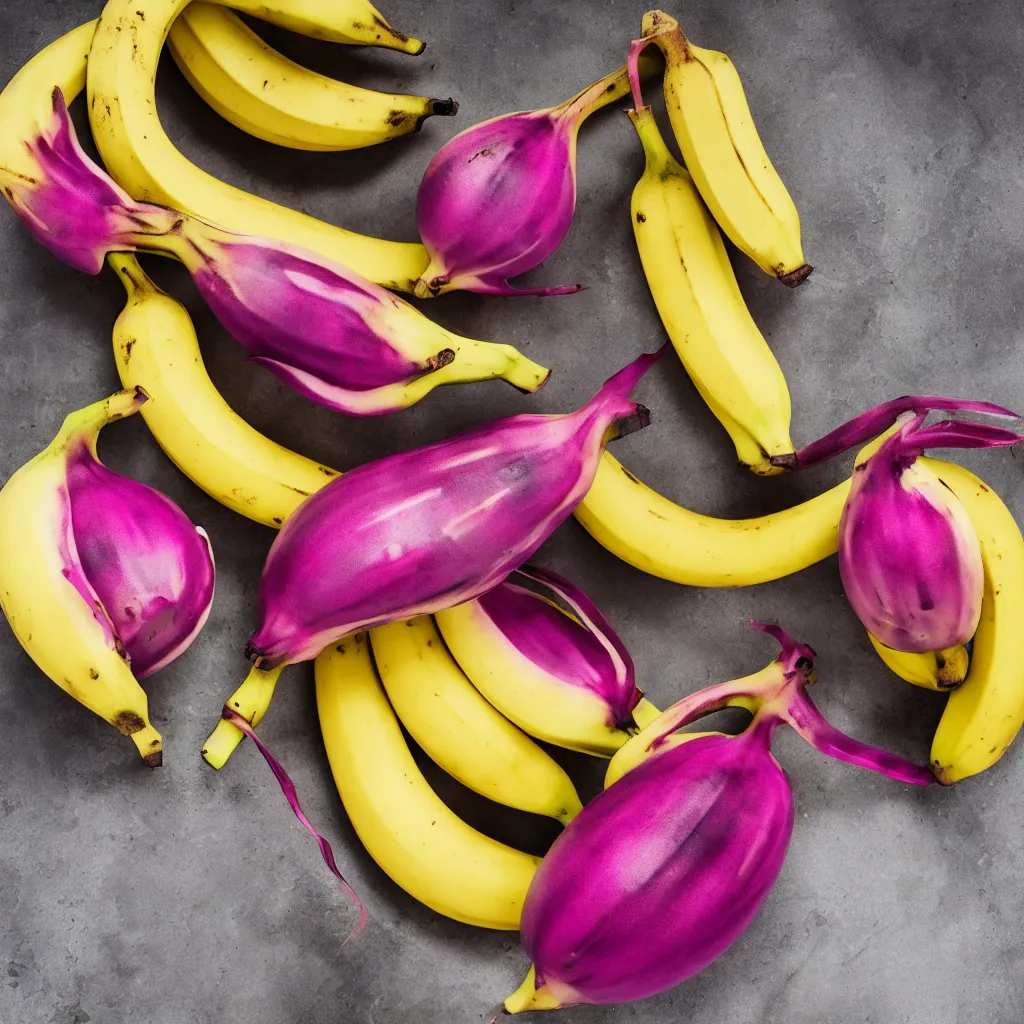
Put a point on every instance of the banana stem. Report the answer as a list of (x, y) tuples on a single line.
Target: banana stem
[(86, 424), (250, 701), (136, 281), (633, 70), (150, 745), (482, 360)]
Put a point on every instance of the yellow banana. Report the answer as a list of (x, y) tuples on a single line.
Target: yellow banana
[(654, 534), (700, 304), (985, 713), (414, 837), (26, 103), (271, 97), (49, 615), (155, 346), (934, 670), (459, 730), (139, 155), (722, 150)]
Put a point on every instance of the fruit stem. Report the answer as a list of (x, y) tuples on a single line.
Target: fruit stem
[(251, 701), (633, 70)]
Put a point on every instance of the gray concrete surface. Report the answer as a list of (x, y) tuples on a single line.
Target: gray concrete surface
[(183, 895)]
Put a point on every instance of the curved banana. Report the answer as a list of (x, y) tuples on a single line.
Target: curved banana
[(699, 301), (459, 730), (264, 93), (143, 160), (985, 713), (26, 102), (654, 534), (524, 693), (414, 837), (934, 670), (155, 346), (354, 22), (50, 617), (722, 150)]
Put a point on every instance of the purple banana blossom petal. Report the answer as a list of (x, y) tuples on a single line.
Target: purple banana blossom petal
[(335, 337), (909, 556), (873, 422), (583, 652), (133, 555), (74, 209), (497, 199), (291, 795), (424, 530), (666, 868)]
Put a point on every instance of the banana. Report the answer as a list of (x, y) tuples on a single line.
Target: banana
[(26, 102), (354, 22), (155, 344), (548, 709), (139, 155), (700, 304), (264, 93), (985, 713), (722, 150), (459, 730), (650, 532), (934, 670), (422, 845), (50, 617)]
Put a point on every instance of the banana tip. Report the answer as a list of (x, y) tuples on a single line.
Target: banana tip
[(796, 277)]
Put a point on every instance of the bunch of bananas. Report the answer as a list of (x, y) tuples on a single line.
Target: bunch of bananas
[(464, 699)]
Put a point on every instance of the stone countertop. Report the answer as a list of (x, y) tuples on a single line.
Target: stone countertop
[(184, 896)]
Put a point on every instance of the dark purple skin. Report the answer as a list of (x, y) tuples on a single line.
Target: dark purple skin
[(875, 421), (908, 555), (424, 530), (661, 872), (151, 569), (587, 654)]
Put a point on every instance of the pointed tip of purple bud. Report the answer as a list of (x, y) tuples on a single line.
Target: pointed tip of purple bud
[(793, 652)]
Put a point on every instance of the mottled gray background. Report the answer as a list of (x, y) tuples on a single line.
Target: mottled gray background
[(183, 895)]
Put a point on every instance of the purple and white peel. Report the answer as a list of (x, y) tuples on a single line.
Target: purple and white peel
[(665, 869), (417, 532), (497, 199), (909, 555), (582, 651), (323, 330), (131, 553), (151, 569), (73, 208)]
